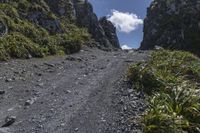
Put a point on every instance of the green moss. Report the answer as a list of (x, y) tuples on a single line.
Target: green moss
[(9, 10), (171, 80)]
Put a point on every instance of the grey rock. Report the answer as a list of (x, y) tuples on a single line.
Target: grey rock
[(76, 129), (9, 121), (50, 65), (2, 92), (110, 32), (30, 102), (130, 90), (8, 80), (70, 58), (158, 48)]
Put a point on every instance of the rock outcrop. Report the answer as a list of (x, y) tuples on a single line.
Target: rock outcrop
[(103, 31), (49, 14), (173, 24), (110, 32)]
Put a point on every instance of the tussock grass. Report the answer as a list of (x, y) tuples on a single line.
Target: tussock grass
[(171, 81)]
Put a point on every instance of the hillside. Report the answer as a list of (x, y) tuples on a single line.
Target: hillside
[(36, 28)]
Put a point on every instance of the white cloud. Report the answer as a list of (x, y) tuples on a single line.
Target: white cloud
[(125, 22), (125, 47)]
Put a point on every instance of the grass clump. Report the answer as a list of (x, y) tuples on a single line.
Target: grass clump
[(171, 81)]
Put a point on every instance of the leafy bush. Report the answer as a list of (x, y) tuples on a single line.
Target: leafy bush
[(17, 46), (171, 80)]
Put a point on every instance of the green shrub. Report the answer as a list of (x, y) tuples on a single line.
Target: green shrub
[(28, 38), (171, 81), (18, 46)]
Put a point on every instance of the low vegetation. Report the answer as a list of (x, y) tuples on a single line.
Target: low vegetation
[(170, 79), (28, 39)]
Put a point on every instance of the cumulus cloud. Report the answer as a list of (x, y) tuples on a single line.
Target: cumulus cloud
[(125, 47), (125, 21)]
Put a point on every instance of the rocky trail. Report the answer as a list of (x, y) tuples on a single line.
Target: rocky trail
[(84, 92)]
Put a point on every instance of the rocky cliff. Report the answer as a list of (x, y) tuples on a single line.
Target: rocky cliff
[(173, 24), (101, 30), (42, 27)]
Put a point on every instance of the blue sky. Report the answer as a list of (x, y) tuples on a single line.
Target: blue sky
[(130, 10)]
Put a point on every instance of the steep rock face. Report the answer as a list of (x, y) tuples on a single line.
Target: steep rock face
[(87, 18), (173, 24), (110, 32)]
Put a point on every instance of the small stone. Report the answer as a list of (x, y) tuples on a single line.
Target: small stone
[(39, 74), (8, 80), (76, 129), (36, 66), (69, 58), (125, 108), (41, 84), (2, 92), (10, 87), (50, 65), (130, 90), (121, 101), (9, 121), (67, 91), (30, 102), (158, 48), (62, 124), (29, 56)]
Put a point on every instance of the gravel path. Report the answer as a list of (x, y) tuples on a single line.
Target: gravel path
[(84, 92)]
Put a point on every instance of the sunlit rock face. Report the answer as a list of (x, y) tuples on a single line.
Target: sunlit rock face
[(173, 24), (86, 17)]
